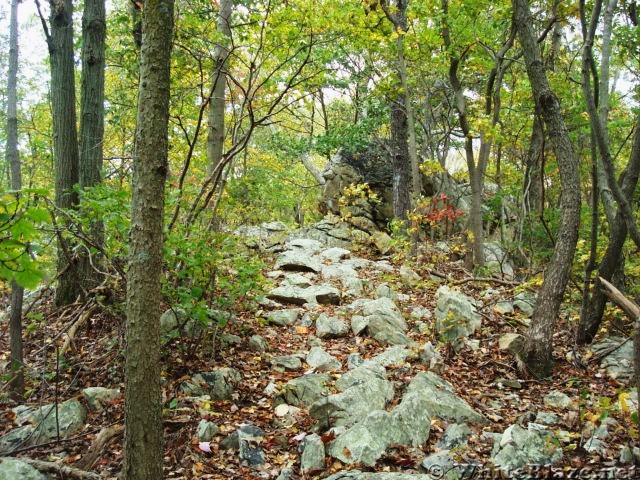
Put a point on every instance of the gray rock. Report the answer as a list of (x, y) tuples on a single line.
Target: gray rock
[(298, 261), (99, 397), (408, 424), (359, 324), (312, 458), (512, 342), (227, 339), (427, 353), (264, 237), (219, 384), (287, 362), (297, 280), (383, 242), (385, 332), (354, 286), (16, 469), (421, 313), (385, 291), (206, 431), (444, 465), (41, 424), (249, 451), (303, 391), (619, 361), (323, 294), (176, 320), (626, 455), (335, 254), (408, 276), (557, 399), (258, 343), (308, 245), (364, 390), (392, 356), (322, 361), (340, 271), (354, 360), (329, 327), (519, 447), (456, 315), (503, 307), (286, 474), (283, 317), (546, 418), (365, 442), (525, 302), (455, 436), (442, 401), (498, 260)]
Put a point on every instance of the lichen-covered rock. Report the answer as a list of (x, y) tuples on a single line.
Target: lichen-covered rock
[(456, 315), (39, 425), (330, 327), (442, 401), (16, 469), (322, 361), (219, 384), (313, 454), (99, 397), (303, 391), (519, 447)]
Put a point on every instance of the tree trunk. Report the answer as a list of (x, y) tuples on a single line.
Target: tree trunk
[(532, 189), (92, 125), (16, 383), (609, 265), (216, 128), (143, 450), (404, 158), (65, 138), (538, 350)]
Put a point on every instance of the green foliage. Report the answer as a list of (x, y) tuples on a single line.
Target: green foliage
[(209, 271), (21, 220)]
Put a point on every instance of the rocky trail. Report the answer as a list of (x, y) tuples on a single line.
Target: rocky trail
[(355, 365)]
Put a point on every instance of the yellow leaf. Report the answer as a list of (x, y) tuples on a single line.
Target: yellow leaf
[(622, 399)]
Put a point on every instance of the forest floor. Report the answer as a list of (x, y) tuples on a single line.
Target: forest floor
[(95, 359)]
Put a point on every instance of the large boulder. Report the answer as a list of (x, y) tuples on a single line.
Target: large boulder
[(364, 390), (39, 425), (371, 167)]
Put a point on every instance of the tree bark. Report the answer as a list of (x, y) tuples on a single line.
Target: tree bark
[(216, 128), (92, 125), (143, 451), (609, 265), (65, 137), (16, 383), (404, 160), (537, 354)]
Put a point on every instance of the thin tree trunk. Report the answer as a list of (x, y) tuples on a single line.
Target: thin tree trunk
[(65, 138), (538, 350), (143, 450), (216, 128), (609, 265), (16, 383), (92, 125)]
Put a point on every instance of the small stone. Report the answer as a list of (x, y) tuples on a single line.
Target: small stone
[(258, 344), (354, 360), (508, 383), (99, 397), (283, 317), (408, 276), (557, 399), (287, 362), (206, 431)]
